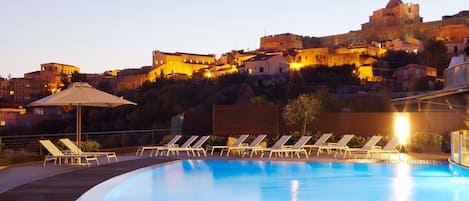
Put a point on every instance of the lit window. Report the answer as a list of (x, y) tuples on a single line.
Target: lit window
[(3, 123)]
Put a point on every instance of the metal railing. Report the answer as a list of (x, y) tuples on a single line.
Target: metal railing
[(110, 139)]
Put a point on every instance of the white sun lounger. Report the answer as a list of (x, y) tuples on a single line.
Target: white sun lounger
[(239, 141), (196, 148), (75, 150), (370, 144), (296, 148), (55, 154), (278, 145), (244, 149), (320, 142), (175, 149), (155, 149), (389, 148), (341, 144)]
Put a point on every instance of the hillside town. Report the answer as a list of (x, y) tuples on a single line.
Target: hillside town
[(397, 29)]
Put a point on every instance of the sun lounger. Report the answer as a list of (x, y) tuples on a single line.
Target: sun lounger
[(320, 142), (175, 149), (278, 145), (239, 142), (389, 148), (55, 154), (155, 149), (196, 148), (341, 144), (75, 150), (370, 144), (296, 148), (244, 149)]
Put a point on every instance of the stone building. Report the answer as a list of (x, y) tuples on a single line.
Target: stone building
[(400, 20), (265, 65), (167, 64), (55, 74), (407, 76), (287, 41), (396, 13)]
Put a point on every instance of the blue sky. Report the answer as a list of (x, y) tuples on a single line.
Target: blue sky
[(99, 35)]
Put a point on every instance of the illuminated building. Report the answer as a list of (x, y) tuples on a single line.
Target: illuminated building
[(265, 65), (167, 64), (56, 75)]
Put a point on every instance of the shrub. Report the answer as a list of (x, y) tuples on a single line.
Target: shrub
[(216, 141), (425, 142), (90, 145), (357, 141)]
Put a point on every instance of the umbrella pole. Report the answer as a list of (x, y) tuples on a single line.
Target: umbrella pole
[(79, 125)]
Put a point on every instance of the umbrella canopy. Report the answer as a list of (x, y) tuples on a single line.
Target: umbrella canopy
[(81, 94)]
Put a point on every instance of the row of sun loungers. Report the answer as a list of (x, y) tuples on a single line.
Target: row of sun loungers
[(279, 149), (193, 146)]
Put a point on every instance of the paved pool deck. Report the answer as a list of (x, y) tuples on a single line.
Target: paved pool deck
[(33, 182)]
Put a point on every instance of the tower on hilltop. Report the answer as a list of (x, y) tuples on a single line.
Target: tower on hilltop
[(396, 13)]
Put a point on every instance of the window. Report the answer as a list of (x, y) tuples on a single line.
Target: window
[(280, 70), (455, 49), (261, 69)]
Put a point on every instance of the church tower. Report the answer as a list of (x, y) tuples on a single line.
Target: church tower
[(395, 13)]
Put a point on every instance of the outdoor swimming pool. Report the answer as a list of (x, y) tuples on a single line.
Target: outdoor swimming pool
[(199, 180)]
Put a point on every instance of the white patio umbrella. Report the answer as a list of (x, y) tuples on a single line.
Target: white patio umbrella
[(81, 94)]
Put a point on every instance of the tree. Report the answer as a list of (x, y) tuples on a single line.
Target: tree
[(398, 59), (302, 111), (435, 54)]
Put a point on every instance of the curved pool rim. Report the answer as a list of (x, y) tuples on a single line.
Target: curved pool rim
[(458, 169), (107, 184)]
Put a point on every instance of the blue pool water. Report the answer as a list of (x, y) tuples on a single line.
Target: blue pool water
[(199, 180)]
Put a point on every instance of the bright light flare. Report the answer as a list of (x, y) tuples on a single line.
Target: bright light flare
[(402, 127), (295, 66)]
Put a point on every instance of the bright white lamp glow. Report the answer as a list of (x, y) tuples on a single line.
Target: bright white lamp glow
[(402, 127)]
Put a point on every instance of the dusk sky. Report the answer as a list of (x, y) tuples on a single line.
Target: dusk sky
[(99, 35)]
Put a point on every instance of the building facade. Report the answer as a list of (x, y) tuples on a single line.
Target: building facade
[(265, 65), (167, 64), (55, 74)]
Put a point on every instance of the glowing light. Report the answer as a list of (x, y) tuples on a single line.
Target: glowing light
[(402, 183), (295, 185), (208, 74), (402, 127), (295, 66)]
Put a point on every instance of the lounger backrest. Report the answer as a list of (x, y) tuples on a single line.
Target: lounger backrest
[(201, 141), (372, 141), (174, 140), (240, 140), (301, 142), (51, 148), (391, 145), (189, 141), (280, 142), (70, 145), (344, 140), (322, 140), (257, 141)]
